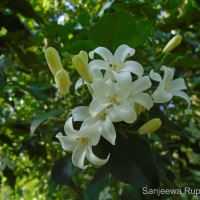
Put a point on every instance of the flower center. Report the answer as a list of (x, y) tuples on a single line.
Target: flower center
[(83, 140), (113, 67), (166, 87), (113, 99), (102, 116)]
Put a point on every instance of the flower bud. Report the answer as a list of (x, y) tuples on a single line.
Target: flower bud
[(173, 43), (150, 126), (53, 60), (80, 62), (62, 81), (139, 109)]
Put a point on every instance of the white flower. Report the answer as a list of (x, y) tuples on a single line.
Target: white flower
[(115, 62), (168, 87), (101, 123), (118, 98), (80, 142)]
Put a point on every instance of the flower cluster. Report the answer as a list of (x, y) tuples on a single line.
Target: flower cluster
[(119, 94)]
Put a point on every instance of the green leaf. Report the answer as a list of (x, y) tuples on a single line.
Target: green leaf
[(62, 172), (130, 192), (181, 60), (132, 162), (119, 28), (39, 120), (56, 30), (77, 46), (36, 93), (97, 184), (138, 8), (11, 177)]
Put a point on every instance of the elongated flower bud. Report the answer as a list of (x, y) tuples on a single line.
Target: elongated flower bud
[(53, 60), (80, 62), (173, 43), (62, 81), (150, 126)]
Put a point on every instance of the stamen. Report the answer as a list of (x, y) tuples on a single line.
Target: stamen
[(102, 116), (113, 99), (84, 140)]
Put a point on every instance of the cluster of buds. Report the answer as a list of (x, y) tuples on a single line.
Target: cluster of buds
[(119, 94), (55, 65)]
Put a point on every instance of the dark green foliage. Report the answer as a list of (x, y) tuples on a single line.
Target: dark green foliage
[(32, 112)]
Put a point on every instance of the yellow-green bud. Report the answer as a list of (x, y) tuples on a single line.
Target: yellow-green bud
[(139, 109), (80, 62), (173, 43), (53, 60), (150, 126), (62, 81)]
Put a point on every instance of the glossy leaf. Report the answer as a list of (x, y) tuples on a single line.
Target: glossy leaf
[(62, 171), (97, 184), (119, 28), (77, 46), (132, 162)]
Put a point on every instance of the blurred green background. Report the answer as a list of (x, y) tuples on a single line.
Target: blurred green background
[(32, 164)]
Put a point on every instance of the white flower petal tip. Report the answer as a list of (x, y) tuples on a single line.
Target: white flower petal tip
[(78, 157), (80, 113), (94, 159), (123, 52), (103, 52), (184, 96), (58, 135), (155, 76)]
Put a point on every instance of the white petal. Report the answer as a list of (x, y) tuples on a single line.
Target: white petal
[(68, 142), (161, 96), (144, 99), (177, 84), (124, 82), (78, 84), (141, 84), (92, 129), (94, 159), (98, 64), (122, 53), (113, 115), (126, 112), (155, 76), (182, 95), (133, 67), (80, 113), (108, 131), (97, 105), (104, 53), (102, 88), (68, 127), (78, 156), (97, 74), (168, 74)]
